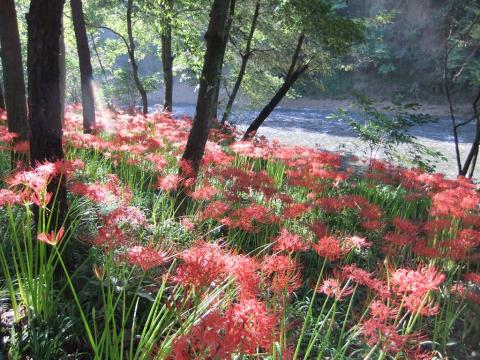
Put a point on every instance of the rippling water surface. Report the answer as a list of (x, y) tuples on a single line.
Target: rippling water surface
[(310, 127)]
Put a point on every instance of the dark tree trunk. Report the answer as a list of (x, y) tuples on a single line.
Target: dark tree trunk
[(86, 71), (446, 80), (167, 57), (245, 57), (2, 99), (13, 77), (44, 30), (212, 66), (209, 81), (471, 160), (63, 74), (293, 74), (131, 55), (228, 27)]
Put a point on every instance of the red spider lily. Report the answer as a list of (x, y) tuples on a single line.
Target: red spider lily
[(377, 332), (41, 200), (121, 191), (204, 193), (245, 327), (382, 312), (53, 238), (283, 273), (365, 278), (472, 277), (129, 215), (5, 135), (289, 242), (356, 242), (146, 258), (111, 191), (9, 197), (250, 149), (96, 192), (405, 226), (67, 168), (249, 327), (203, 341), (416, 282), (455, 202), (35, 180), (244, 270), (110, 237), (333, 288), (217, 157), (469, 238), (245, 218), (187, 224), (329, 247), (204, 264), (215, 210), (295, 210), (159, 162), (169, 182), (187, 169), (420, 305)]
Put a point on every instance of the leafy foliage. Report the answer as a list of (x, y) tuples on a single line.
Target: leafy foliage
[(388, 131)]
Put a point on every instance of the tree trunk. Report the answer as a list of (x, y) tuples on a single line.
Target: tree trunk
[(167, 57), (63, 74), (446, 79), (293, 74), (13, 77), (245, 57), (228, 27), (131, 55), (2, 99), (209, 81), (44, 99), (267, 110), (212, 66), (471, 160), (86, 71)]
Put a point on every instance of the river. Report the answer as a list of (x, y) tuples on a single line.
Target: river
[(305, 126)]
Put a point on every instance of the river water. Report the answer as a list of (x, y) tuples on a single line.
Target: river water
[(312, 127)]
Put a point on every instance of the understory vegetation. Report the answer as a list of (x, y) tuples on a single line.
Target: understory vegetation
[(281, 253)]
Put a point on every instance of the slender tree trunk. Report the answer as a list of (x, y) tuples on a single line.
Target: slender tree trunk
[(446, 85), (228, 27), (13, 77), (293, 74), (63, 74), (86, 71), (471, 160), (44, 30), (131, 55), (212, 66), (167, 57), (2, 99), (245, 58)]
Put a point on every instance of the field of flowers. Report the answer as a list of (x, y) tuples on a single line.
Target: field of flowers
[(282, 253)]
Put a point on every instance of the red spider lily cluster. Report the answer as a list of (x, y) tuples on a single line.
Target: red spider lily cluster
[(250, 201)]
